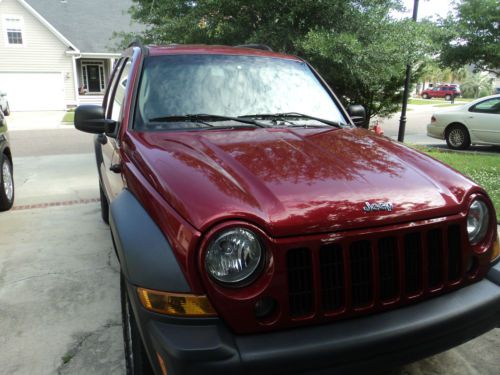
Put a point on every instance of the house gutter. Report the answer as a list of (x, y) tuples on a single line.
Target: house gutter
[(93, 55)]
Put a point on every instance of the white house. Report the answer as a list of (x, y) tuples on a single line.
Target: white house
[(58, 53)]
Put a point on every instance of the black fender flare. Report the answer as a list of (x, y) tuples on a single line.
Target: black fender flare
[(146, 258)]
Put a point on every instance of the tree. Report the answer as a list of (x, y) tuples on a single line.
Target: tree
[(357, 47), (473, 36), (476, 85)]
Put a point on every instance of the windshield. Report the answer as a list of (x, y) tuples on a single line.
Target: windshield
[(231, 86)]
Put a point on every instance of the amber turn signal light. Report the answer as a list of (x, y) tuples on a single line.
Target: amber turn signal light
[(496, 249), (163, 367), (175, 303)]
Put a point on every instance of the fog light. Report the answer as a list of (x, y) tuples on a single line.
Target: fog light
[(175, 304), (265, 307)]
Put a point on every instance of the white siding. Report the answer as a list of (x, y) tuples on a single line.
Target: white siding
[(42, 50)]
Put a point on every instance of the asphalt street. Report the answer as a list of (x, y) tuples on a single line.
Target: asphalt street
[(59, 279)]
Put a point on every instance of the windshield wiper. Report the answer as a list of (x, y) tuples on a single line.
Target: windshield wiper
[(292, 115), (204, 119)]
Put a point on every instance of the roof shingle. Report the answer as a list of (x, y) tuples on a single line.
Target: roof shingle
[(88, 24)]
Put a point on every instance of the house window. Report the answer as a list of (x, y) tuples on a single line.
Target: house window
[(14, 30)]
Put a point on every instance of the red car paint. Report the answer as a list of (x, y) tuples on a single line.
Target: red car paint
[(443, 91), (295, 187)]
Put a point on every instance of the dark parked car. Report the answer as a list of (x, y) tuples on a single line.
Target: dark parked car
[(6, 177), (4, 103), (447, 92), (260, 231)]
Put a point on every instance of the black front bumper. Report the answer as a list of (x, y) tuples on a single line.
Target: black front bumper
[(371, 343)]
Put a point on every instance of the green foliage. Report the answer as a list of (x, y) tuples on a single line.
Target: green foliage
[(476, 85), (360, 51), (474, 36), (483, 169)]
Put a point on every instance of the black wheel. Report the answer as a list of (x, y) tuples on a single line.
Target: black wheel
[(457, 137), (136, 359), (104, 205), (6, 183), (6, 112), (447, 98), (425, 96)]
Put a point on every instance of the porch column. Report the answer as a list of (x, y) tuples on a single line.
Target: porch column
[(75, 80)]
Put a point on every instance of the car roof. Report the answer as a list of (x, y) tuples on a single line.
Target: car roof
[(485, 98), (203, 49)]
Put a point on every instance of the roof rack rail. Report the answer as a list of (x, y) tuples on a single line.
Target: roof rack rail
[(136, 43), (263, 47)]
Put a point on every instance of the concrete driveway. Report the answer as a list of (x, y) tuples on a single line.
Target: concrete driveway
[(59, 280)]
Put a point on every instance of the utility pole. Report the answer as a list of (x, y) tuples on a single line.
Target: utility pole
[(402, 120)]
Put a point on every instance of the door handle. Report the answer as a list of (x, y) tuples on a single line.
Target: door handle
[(117, 168), (102, 139)]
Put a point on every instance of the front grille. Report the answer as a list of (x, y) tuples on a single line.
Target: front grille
[(364, 274), (388, 268), (360, 256), (413, 263), (332, 277), (300, 287)]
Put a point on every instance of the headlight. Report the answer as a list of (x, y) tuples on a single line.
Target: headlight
[(233, 256), (477, 221)]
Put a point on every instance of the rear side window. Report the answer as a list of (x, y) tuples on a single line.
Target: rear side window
[(488, 106)]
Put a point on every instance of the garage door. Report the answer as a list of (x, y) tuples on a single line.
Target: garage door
[(33, 91)]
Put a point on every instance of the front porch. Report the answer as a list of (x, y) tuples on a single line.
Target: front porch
[(92, 76), (90, 99)]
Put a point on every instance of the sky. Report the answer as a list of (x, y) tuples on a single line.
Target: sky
[(427, 8)]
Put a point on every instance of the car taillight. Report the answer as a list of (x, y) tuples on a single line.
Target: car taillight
[(433, 119)]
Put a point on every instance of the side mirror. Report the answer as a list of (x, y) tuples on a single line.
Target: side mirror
[(358, 115), (90, 119)]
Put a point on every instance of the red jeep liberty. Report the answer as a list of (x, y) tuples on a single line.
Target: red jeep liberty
[(259, 231), (447, 92)]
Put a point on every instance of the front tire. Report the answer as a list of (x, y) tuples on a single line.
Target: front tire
[(6, 183), (6, 112), (104, 205), (447, 98), (136, 359), (425, 96), (457, 137)]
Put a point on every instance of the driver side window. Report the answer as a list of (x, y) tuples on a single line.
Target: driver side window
[(120, 90)]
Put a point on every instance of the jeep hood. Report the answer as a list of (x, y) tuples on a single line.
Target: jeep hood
[(296, 181)]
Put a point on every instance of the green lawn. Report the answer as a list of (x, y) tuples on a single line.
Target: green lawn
[(483, 169), (447, 105), (69, 116), (438, 102)]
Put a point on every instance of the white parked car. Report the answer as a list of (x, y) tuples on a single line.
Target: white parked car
[(4, 104), (477, 122)]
